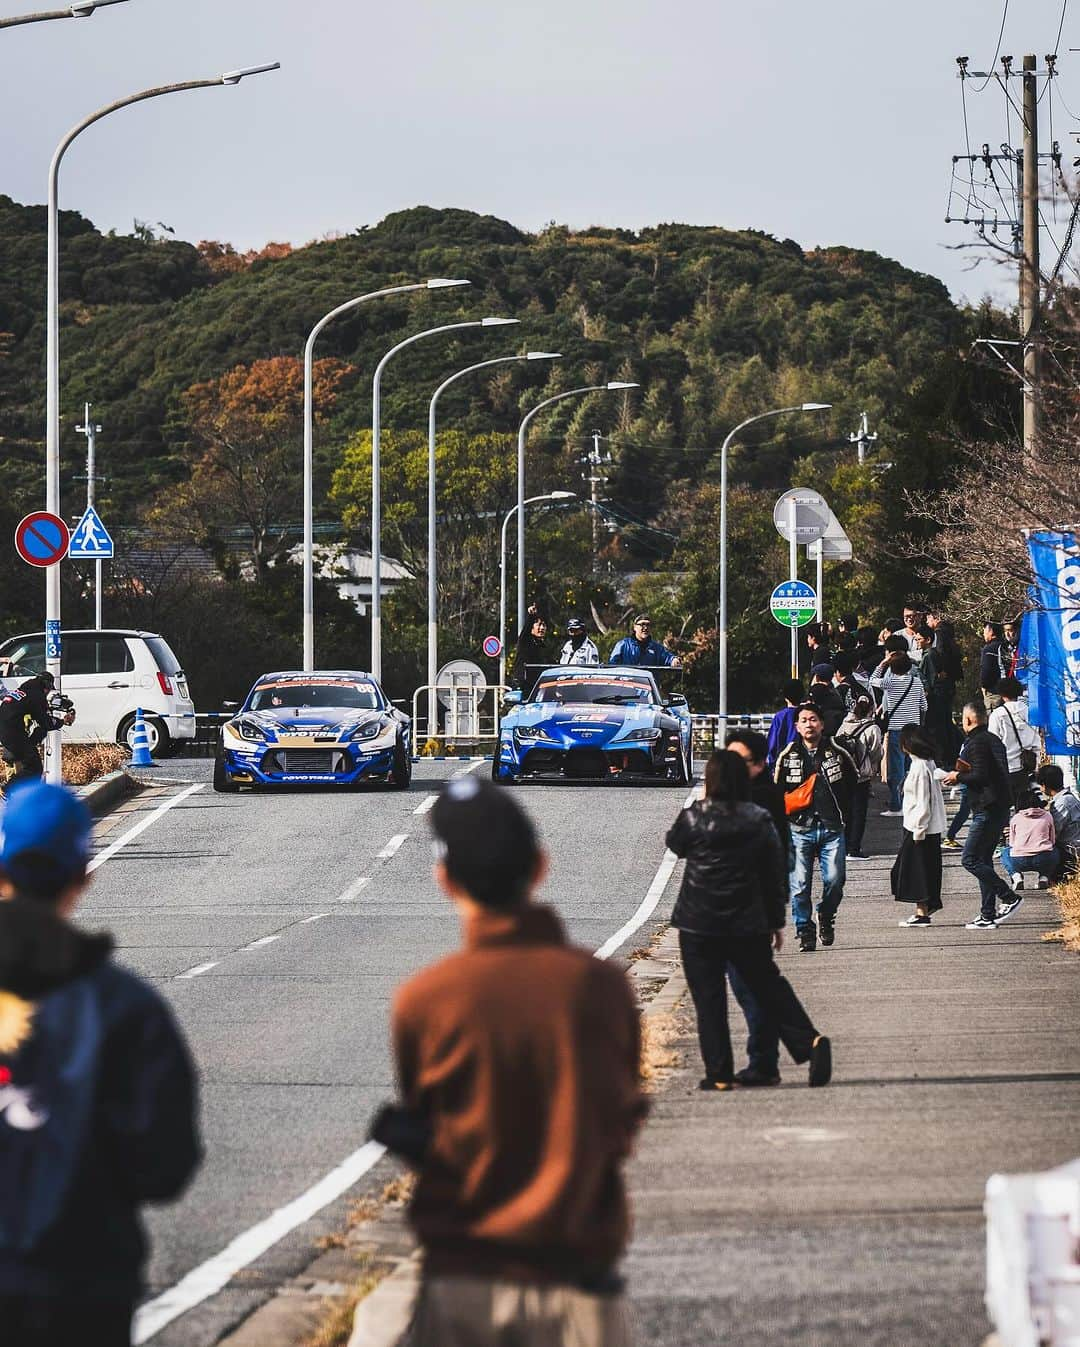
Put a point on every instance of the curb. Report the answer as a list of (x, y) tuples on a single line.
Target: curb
[(101, 796)]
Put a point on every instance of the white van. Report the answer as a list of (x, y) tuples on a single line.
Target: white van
[(109, 675)]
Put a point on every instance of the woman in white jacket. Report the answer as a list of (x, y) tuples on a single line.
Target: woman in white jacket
[(916, 872)]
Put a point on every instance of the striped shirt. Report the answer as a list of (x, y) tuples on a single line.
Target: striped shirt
[(903, 696)]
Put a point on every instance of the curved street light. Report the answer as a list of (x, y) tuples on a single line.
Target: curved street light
[(436, 283), (85, 9), (515, 509), (722, 603), (52, 353), (432, 612), (376, 473), (522, 429)]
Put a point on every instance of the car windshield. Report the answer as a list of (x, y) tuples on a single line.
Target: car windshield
[(593, 691), (274, 696)]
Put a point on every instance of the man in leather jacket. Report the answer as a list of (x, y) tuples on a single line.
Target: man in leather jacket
[(817, 827)]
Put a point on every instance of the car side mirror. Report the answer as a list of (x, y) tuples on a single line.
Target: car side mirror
[(514, 697), (676, 699), (398, 701)]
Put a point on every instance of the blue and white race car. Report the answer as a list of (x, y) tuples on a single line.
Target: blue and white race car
[(599, 723), (327, 728)]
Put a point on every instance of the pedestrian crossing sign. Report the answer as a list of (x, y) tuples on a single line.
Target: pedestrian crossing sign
[(90, 539)]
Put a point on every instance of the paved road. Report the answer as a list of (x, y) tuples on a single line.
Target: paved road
[(852, 1217), (249, 912)]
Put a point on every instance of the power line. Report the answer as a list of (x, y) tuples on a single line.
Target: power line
[(997, 49)]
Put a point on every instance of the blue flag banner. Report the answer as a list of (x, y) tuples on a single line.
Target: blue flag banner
[(1049, 655)]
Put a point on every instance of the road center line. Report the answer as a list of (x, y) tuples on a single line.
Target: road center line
[(140, 827), (197, 971), (263, 940), (353, 891), (425, 804), (212, 1276), (392, 847)]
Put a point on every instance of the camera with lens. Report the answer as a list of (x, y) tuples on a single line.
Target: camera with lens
[(61, 706)]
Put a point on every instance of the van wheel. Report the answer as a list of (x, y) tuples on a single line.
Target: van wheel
[(157, 735), (222, 782)]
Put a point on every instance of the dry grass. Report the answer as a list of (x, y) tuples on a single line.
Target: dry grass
[(336, 1329), (659, 1056), (1068, 896), (394, 1194), (83, 763)]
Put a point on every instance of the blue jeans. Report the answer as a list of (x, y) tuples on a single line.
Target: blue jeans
[(896, 769), (983, 834), (962, 815), (1045, 863), (826, 845)]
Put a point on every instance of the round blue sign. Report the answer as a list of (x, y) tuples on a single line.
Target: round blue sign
[(492, 647)]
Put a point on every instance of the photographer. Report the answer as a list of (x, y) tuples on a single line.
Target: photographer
[(34, 702)]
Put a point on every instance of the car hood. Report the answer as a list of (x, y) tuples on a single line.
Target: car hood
[(307, 721)]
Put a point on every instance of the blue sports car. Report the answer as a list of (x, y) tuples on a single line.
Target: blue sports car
[(327, 728), (597, 723)]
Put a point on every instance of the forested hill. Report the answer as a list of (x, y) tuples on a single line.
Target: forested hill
[(713, 324)]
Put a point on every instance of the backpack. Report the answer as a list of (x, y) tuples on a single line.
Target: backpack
[(858, 749), (47, 1092)]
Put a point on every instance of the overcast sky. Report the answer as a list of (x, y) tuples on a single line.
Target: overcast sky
[(831, 122)]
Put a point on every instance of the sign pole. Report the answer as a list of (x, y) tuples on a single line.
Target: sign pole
[(820, 580), (793, 568)]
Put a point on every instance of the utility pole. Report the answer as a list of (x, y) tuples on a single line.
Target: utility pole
[(92, 431), (1030, 297), (595, 461), (862, 437)]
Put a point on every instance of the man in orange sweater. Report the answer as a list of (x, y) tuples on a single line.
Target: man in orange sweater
[(518, 1059)]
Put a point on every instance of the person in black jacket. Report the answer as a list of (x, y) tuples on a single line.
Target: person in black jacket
[(989, 794), (531, 649), (29, 703), (993, 664), (97, 1094), (826, 698), (730, 915)]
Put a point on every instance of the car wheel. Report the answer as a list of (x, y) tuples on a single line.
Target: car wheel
[(222, 781), (684, 771), (501, 778), (401, 771), (157, 735)]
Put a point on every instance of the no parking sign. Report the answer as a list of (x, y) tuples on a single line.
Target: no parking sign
[(492, 647)]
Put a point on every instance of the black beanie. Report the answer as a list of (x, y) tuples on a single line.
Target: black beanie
[(486, 841)]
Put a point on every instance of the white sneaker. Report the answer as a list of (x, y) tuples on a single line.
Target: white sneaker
[(1017, 881), (981, 924), (1006, 910), (913, 921), (892, 813)]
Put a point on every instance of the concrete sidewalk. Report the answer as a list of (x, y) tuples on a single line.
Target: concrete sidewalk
[(853, 1215)]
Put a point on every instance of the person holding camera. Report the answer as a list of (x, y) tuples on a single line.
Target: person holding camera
[(35, 702)]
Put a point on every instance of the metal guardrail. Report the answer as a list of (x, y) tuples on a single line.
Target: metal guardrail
[(470, 722), (707, 728), (204, 745)]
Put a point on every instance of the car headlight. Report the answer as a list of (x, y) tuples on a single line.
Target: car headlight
[(535, 732), (370, 730), (650, 735), (247, 729)]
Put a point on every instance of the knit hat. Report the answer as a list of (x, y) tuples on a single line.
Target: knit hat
[(486, 841), (822, 671), (45, 841)]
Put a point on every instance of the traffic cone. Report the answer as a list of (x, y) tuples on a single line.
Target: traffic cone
[(140, 743)]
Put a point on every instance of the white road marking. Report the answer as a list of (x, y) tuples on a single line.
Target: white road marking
[(472, 767), (263, 940), (199, 969), (649, 902), (210, 1277), (392, 847), (353, 891), (140, 827), (317, 917), (425, 804)]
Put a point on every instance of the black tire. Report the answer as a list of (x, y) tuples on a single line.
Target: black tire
[(684, 772), (401, 771), (157, 731), (222, 784)]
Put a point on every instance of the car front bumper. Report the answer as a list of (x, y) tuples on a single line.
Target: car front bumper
[(334, 765)]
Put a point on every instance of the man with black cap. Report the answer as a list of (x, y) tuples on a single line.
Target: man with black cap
[(97, 1094), (518, 1061), (579, 649), (29, 703), (826, 698)]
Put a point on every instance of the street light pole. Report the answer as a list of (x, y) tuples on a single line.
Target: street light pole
[(52, 353), (376, 472), (437, 283), (722, 585), (85, 10), (432, 611), (517, 509), (522, 432)]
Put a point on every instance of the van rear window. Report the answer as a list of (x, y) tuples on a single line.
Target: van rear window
[(163, 655)]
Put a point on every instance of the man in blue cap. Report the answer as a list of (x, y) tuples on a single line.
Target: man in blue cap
[(97, 1093)]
